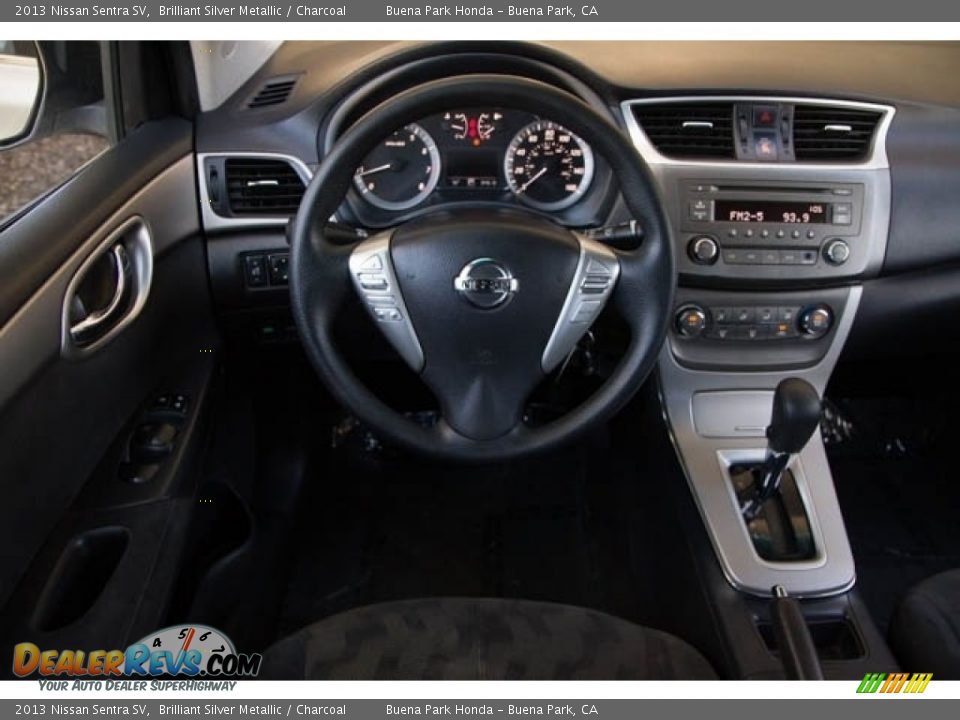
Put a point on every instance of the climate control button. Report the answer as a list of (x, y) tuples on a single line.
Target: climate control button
[(691, 321), (816, 321)]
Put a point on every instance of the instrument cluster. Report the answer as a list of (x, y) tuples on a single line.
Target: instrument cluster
[(475, 155)]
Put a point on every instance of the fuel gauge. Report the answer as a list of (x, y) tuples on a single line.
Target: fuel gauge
[(474, 128)]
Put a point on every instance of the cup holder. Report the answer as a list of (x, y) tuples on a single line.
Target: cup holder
[(86, 565)]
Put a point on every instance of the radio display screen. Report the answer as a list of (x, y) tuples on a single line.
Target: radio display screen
[(766, 211)]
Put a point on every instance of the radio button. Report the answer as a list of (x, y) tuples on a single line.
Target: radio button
[(703, 250), (733, 256), (770, 257), (781, 234), (842, 214), (752, 257), (808, 257), (836, 252), (764, 233), (795, 234)]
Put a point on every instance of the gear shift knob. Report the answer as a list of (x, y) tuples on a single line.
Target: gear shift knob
[(796, 414)]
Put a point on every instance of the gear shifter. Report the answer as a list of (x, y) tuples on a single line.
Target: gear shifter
[(795, 416)]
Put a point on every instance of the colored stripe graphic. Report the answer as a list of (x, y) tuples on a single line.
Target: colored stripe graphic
[(894, 683)]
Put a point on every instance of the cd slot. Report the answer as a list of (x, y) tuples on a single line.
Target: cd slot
[(768, 189)]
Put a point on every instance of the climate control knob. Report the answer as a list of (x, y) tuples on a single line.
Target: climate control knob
[(836, 252), (816, 321), (691, 321), (703, 250)]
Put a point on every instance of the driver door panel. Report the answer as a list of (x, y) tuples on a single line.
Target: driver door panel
[(81, 533)]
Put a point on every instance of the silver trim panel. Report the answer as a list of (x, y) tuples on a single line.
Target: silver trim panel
[(593, 282), (213, 221), (705, 461), (371, 269), (876, 160)]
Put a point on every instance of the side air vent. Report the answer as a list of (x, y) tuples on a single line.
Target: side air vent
[(688, 129), (828, 132), (273, 92), (262, 186)]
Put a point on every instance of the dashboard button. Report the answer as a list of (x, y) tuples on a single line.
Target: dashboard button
[(255, 270), (721, 315), (766, 315), (836, 252), (744, 315), (373, 281), (787, 314), (815, 322), (703, 250), (691, 321)]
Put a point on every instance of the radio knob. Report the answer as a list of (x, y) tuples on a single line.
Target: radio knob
[(836, 252), (703, 250), (691, 321), (816, 321)]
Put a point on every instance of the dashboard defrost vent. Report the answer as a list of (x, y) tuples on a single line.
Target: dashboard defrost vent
[(688, 129), (273, 92), (828, 132), (262, 186)]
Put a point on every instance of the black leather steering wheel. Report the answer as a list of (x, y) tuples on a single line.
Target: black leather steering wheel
[(482, 304)]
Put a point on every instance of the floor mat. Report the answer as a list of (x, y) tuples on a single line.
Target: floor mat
[(897, 485), (556, 528)]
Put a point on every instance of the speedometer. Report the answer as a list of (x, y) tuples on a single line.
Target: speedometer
[(547, 166), (401, 172)]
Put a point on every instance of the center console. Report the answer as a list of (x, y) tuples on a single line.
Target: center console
[(772, 239)]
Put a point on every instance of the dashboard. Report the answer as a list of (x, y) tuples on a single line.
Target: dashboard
[(469, 156), (765, 219)]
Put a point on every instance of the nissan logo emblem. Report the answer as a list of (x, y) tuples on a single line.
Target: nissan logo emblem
[(485, 283)]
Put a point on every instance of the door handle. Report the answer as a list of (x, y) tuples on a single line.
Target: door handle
[(99, 322)]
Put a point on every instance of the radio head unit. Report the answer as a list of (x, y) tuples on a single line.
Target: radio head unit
[(730, 224)]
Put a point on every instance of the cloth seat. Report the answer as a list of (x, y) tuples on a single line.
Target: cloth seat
[(925, 630), (481, 638)]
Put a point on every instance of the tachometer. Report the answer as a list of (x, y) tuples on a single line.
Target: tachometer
[(401, 172), (547, 166)]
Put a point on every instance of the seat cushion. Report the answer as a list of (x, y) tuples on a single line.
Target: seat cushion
[(475, 639), (925, 630)]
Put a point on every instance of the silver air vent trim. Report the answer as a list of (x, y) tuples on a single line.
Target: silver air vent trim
[(877, 158), (213, 221)]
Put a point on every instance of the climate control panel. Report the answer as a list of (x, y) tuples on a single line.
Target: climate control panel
[(753, 322)]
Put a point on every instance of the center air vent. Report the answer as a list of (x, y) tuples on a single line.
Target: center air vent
[(828, 132), (688, 130), (262, 186)]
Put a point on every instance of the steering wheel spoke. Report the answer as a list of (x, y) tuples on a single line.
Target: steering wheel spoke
[(374, 278), (593, 283)]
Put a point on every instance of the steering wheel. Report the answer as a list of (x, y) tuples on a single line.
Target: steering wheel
[(481, 304)]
